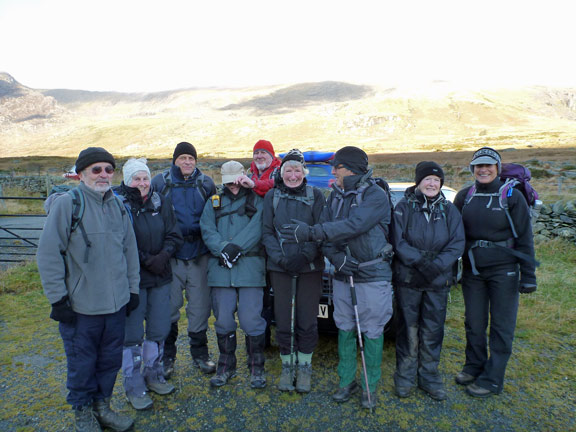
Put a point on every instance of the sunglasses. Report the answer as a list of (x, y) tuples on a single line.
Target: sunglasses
[(98, 169)]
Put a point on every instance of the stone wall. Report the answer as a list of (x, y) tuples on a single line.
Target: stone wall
[(37, 185), (555, 220)]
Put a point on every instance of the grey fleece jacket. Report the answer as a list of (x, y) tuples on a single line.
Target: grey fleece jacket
[(104, 283)]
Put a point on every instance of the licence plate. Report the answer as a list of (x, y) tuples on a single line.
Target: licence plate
[(322, 311)]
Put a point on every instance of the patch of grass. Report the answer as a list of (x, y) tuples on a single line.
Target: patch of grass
[(20, 279)]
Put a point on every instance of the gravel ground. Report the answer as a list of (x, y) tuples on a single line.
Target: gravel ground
[(32, 391)]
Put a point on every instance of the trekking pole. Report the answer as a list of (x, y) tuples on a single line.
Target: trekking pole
[(355, 305), (292, 319)]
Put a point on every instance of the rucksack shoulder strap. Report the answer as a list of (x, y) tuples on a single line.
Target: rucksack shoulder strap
[(167, 177), (77, 207)]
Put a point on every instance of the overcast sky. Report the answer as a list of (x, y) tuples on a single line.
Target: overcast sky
[(142, 45)]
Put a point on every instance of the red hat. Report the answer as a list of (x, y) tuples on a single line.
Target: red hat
[(264, 145)]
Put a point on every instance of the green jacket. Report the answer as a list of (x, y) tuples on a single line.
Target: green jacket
[(227, 225)]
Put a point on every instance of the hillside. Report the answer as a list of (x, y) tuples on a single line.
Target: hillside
[(224, 122)]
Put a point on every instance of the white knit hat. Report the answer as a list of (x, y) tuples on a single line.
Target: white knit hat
[(131, 167)]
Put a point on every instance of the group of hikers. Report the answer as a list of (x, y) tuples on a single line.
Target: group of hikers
[(116, 263)]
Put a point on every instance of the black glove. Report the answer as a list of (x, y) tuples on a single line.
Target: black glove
[(297, 232), (132, 303), (62, 311), (526, 288), (157, 263), (232, 252), (295, 264), (345, 264), (428, 268)]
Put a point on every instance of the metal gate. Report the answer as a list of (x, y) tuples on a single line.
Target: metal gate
[(19, 233)]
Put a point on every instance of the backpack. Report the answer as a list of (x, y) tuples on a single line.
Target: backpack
[(308, 199), (520, 176), (169, 184), (78, 206), (515, 176)]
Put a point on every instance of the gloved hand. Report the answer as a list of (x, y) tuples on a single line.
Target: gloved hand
[(295, 264), (427, 267), (345, 264), (526, 288), (297, 232), (157, 263), (62, 311), (232, 252), (223, 261), (132, 303)]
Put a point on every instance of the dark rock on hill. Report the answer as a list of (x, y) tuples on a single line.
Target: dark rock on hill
[(299, 95)]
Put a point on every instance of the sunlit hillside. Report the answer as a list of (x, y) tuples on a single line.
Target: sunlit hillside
[(327, 115)]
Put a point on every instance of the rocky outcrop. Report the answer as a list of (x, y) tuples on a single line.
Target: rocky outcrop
[(21, 104)]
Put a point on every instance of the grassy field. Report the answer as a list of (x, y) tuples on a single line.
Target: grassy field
[(538, 394)]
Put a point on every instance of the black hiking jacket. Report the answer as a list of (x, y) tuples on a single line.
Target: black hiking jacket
[(426, 228), (485, 219)]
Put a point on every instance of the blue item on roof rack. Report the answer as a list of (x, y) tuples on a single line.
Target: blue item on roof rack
[(315, 156)]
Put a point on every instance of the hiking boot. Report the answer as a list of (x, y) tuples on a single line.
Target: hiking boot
[(222, 378), (345, 393), (111, 419), (403, 392), (158, 384), (464, 378), (286, 382), (303, 378), (168, 367), (258, 380), (85, 420), (437, 393), (139, 401), (207, 366), (477, 391), (364, 400)]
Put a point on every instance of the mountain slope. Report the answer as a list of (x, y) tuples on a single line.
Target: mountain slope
[(328, 115)]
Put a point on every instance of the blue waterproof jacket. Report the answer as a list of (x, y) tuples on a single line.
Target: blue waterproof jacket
[(188, 204)]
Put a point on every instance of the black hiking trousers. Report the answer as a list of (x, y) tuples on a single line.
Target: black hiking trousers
[(490, 298)]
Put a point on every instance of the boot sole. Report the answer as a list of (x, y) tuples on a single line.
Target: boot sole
[(163, 393)]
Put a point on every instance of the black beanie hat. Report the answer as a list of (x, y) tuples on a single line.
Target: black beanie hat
[(426, 168), (92, 155), (184, 148), (294, 155), (353, 158)]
